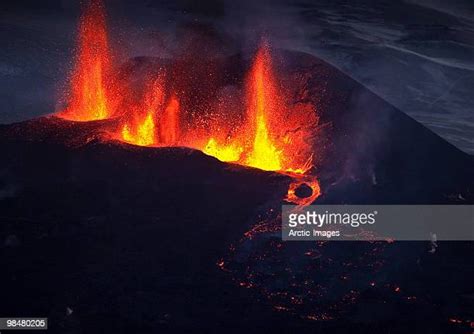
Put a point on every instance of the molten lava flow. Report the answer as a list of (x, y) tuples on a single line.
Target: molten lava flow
[(91, 97), (302, 169), (226, 153), (303, 180), (263, 154)]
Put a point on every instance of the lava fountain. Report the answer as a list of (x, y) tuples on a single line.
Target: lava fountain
[(154, 121), (261, 105), (273, 131), (169, 125), (91, 94), (142, 134), (273, 135)]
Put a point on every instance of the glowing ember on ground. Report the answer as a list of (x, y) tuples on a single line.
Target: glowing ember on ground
[(91, 96)]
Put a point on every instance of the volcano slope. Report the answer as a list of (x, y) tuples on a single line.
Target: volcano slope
[(102, 236)]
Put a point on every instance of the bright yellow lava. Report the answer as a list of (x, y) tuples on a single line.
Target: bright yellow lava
[(144, 135), (264, 154), (229, 153)]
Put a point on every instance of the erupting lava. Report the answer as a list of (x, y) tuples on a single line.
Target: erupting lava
[(257, 145), (265, 140), (227, 153), (270, 133), (169, 125), (91, 96), (142, 134), (151, 123), (262, 98), (269, 138)]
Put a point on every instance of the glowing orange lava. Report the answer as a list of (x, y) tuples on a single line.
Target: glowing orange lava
[(141, 133), (169, 123), (301, 180), (152, 122), (268, 132), (268, 139), (91, 97), (226, 153), (261, 105)]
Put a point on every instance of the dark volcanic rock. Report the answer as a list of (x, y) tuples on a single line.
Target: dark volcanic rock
[(370, 152), (108, 226)]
